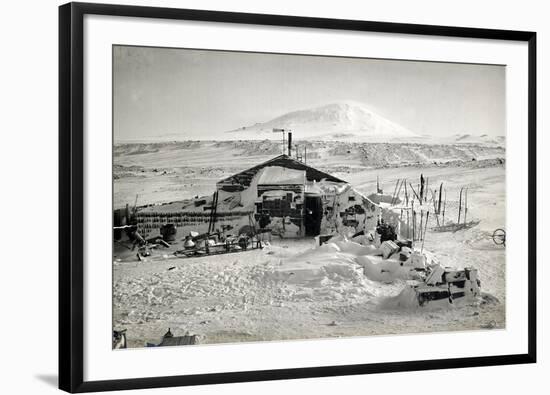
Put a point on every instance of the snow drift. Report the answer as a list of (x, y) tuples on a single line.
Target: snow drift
[(343, 267)]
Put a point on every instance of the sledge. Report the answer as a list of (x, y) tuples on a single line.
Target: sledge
[(230, 245), (168, 339), (454, 227), (457, 226)]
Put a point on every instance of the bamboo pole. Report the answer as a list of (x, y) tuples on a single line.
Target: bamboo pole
[(394, 190), (415, 194), (394, 199)]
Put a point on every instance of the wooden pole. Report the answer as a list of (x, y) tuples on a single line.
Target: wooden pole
[(435, 206), (414, 224), (421, 218), (413, 219), (408, 225), (415, 233), (440, 195), (135, 206), (127, 214), (465, 204), (213, 212), (394, 200), (460, 205), (426, 195), (415, 194), (421, 188), (399, 190), (394, 190), (427, 215), (444, 207)]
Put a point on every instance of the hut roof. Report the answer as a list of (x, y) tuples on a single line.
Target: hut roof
[(277, 175), (244, 178)]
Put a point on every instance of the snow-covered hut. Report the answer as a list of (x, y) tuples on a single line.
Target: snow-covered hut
[(282, 194), (299, 200)]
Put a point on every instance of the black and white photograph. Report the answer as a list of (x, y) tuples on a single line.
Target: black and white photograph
[(258, 197), (273, 197)]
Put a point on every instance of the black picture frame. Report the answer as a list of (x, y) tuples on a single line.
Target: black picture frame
[(71, 172)]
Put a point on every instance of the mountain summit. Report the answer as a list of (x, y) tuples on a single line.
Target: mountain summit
[(337, 120)]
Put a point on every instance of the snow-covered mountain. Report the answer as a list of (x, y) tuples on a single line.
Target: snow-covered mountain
[(340, 121)]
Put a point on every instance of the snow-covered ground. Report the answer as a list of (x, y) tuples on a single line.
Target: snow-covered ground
[(170, 171), (271, 295), (286, 291)]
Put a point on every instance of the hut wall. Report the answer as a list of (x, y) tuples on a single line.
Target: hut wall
[(284, 205), (150, 223), (348, 212)]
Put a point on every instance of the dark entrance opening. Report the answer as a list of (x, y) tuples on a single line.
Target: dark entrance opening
[(313, 215)]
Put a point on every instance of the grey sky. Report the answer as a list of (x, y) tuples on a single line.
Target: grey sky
[(199, 94)]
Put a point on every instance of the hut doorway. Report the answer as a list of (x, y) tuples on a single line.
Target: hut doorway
[(313, 215)]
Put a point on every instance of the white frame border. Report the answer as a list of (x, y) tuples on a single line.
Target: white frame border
[(101, 363)]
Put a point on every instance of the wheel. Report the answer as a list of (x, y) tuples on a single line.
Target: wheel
[(499, 236)]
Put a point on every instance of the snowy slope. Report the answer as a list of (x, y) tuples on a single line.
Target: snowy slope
[(343, 120), (478, 139)]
